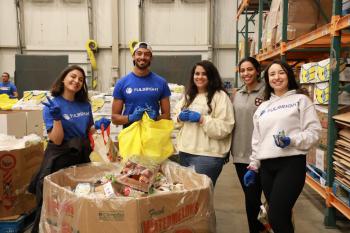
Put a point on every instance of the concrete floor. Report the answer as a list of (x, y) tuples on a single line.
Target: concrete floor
[(230, 210)]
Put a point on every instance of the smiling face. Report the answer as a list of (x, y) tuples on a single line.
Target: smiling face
[(278, 79), (200, 79), (73, 81), (142, 58), (248, 73)]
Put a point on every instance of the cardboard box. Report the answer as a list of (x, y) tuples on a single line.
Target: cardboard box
[(190, 210), (16, 170), (321, 95), (324, 137), (317, 156), (324, 73), (302, 18), (322, 113), (13, 123), (321, 158), (21, 123), (308, 72), (311, 156), (34, 122)]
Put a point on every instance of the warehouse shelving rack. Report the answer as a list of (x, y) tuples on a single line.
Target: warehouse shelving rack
[(326, 40), (250, 8)]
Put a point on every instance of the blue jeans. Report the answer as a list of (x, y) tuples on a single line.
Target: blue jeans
[(210, 166)]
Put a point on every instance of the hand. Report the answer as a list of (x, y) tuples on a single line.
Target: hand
[(136, 115), (194, 116), (281, 140), (249, 178), (183, 116), (151, 113), (102, 122), (54, 109)]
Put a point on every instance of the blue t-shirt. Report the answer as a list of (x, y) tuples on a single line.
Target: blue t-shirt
[(7, 88), (77, 117), (144, 91)]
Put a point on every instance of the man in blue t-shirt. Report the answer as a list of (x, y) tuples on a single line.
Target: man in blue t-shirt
[(140, 91), (6, 87)]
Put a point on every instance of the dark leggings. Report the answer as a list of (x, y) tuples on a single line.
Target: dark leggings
[(252, 196), (282, 180)]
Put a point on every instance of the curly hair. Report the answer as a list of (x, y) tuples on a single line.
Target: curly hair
[(214, 84), (292, 82), (58, 86)]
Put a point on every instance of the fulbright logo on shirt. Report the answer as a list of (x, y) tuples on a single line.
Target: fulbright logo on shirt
[(75, 115), (130, 90)]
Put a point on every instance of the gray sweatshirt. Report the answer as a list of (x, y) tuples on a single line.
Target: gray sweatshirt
[(244, 105), (292, 113)]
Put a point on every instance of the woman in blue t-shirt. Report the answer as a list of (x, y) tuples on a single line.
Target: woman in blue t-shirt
[(68, 119)]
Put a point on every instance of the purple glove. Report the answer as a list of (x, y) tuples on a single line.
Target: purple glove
[(249, 178), (136, 115), (194, 116), (183, 116), (54, 109)]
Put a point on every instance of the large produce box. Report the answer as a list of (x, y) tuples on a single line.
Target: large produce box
[(16, 170), (189, 210)]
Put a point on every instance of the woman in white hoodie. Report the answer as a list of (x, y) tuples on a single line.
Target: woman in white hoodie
[(205, 118), (286, 126)]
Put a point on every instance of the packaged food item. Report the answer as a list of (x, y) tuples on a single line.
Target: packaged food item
[(83, 189)]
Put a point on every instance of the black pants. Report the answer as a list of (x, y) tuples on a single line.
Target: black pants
[(252, 196), (282, 180)]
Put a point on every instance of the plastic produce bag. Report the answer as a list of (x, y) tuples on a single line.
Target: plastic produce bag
[(103, 147), (148, 138)]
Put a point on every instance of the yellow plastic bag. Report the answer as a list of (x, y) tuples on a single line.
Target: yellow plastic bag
[(147, 138), (6, 102)]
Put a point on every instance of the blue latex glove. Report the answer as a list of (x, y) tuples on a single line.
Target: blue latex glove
[(183, 116), (194, 116), (136, 115), (249, 178), (54, 109), (103, 121), (281, 141), (151, 113)]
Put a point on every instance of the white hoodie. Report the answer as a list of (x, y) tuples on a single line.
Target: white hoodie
[(292, 113)]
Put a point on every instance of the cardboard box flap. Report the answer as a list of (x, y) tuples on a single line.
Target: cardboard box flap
[(345, 133), (344, 117)]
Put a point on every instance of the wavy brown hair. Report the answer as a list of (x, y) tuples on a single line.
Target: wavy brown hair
[(214, 84), (58, 86)]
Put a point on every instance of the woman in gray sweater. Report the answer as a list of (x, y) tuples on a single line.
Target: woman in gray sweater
[(245, 101)]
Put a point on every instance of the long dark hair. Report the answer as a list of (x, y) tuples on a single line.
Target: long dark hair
[(58, 86), (292, 82), (214, 84), (254, 62)]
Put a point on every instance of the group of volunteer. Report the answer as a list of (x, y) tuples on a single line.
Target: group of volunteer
[(267, 126)]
